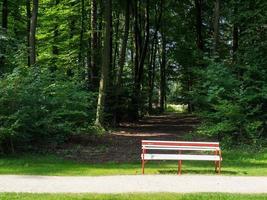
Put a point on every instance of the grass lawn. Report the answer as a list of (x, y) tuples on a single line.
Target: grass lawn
[(234, 163), (154, 196)]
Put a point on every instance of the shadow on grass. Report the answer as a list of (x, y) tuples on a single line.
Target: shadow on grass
[(197, 171)]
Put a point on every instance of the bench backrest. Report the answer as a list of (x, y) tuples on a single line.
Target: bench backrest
[(180, 145)]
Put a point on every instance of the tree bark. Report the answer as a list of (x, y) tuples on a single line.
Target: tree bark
[(235, 36), (94, 43), (163, 74), (55, 49), (28, 11), (141, 51), (153, 52), (81, 50), (105, 64), (4, 15), (4, 28), (198, 7), (122, 59), (33, 32), (216, 26)]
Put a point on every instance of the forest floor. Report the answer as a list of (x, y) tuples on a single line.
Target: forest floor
[(124, 143)]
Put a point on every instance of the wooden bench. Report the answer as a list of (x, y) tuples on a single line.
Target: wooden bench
[(181, 150)]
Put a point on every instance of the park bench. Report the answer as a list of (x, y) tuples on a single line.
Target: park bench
[(181, 150)]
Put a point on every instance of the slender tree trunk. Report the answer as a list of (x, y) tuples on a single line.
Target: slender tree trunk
[(81, 50), (28, 11), (198, 7), (122, 58), (163, 74), (116, 47), (235, 36), (33, 32), (141, 51), (152, 78), (105, 64), (94, 47), (153, 52), (4, 15), (4, 28), (216, 24), (55, 49)]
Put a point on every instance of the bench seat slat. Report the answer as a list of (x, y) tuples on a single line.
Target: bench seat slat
[(180, 157), (156, 147), (180, 143)]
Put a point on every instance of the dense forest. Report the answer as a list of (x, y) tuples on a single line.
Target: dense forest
[(82, 66)]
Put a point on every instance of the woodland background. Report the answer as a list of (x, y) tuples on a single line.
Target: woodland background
[(81, 66)]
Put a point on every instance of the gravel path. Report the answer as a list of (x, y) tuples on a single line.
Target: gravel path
[(137, 183)]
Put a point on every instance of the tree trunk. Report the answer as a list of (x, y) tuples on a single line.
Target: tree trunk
[(55, 50), (33, 32), (153, 52), (122, 59), (94, 47), (4, 15), (105, 64), (235, 36), (198, 7), (141, 51), (116, 47), (4, 28), (81, 50), (28, 11), (163, 74), (216, 23)]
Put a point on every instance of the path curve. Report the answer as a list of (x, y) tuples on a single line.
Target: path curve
[(137, 183)]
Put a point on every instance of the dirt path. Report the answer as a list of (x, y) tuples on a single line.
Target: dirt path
[(123, 144), (123, 184)]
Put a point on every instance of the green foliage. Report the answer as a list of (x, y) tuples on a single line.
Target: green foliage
[(231, 110), (37, 105)]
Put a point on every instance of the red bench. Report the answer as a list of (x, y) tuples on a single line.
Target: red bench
[(181, 150)]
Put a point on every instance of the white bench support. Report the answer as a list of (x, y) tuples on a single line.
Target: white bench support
[(180, 146)]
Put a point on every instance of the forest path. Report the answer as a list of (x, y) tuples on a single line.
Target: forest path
[(137, 183), (124, 143)]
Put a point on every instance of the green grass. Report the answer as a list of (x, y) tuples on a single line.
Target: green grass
[(176, 108), (234, 163), (132, 196)]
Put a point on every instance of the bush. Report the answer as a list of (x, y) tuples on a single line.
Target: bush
[(232, 109), (38, 106)]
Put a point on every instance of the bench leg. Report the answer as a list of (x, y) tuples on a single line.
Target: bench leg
[(219, 166), (179, 167), (143, 166), (216, 166)]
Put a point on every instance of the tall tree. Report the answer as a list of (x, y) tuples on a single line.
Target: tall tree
[(94, 44), (28, 12), (152, 54), (122, 57), (141, 46), (163, 73), (81, 49), (4, 15), (32, 37), (105, 63), (216, 24), (235, 36), (4, 28), (198, 7)]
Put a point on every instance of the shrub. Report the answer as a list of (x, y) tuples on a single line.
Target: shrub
[(39, 106)]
